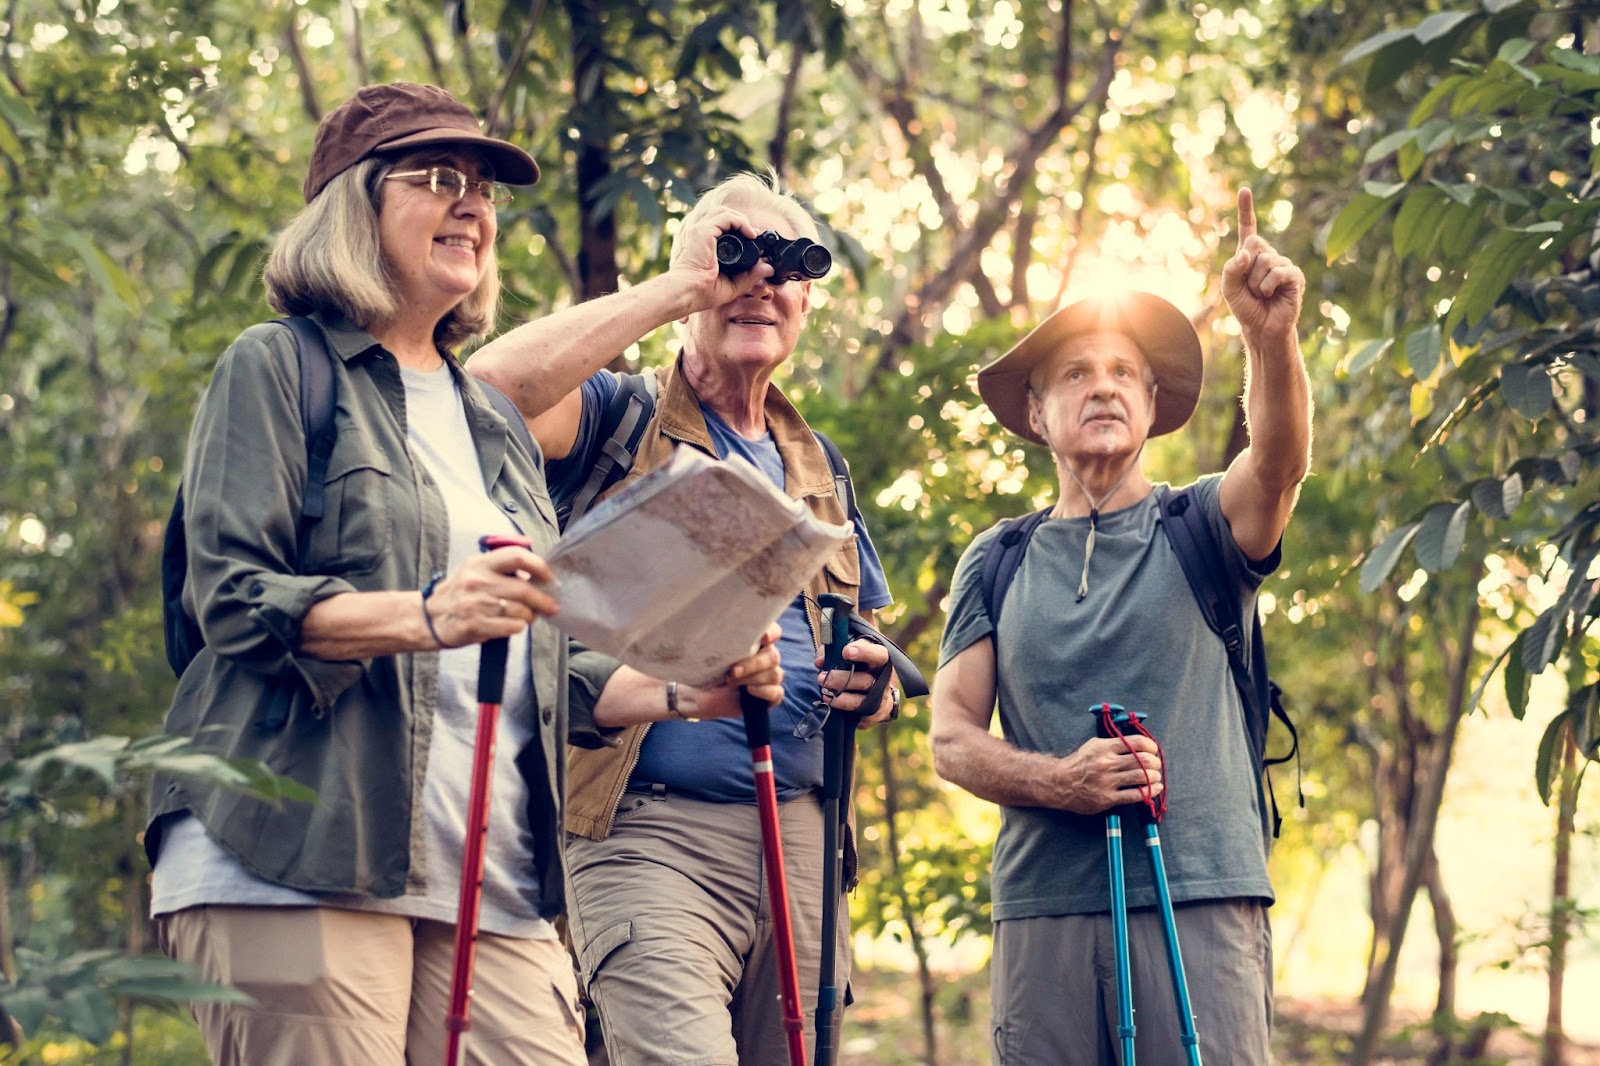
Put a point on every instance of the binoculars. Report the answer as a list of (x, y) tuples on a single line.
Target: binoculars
[(790, 259)]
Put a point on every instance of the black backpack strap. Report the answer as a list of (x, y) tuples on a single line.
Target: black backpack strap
[(842, 487), (316, 415), (621, 430), (514, 420), (1204, 565), (1003, 556)]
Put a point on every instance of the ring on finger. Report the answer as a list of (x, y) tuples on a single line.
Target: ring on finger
[(504, 609)]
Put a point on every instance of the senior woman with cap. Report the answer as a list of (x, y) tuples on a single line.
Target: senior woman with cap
[(1099, 611), (340, 650)]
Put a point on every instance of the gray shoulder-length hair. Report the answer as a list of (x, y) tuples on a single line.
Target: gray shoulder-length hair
[(329, 259)]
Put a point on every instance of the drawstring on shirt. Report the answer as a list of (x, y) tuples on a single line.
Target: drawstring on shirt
[(1094, 517)]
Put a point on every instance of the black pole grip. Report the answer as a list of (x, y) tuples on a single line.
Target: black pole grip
[(492, 670), (492, 659), (757, 720)]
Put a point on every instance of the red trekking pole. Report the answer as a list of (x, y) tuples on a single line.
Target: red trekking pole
[(491, 689), (758, 735)]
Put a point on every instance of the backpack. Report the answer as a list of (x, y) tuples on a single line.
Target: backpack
[(1184, 521), (622, 427), (183, 637)]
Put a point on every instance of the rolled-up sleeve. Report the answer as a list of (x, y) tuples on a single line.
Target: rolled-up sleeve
[(243, 485), (587, 675)]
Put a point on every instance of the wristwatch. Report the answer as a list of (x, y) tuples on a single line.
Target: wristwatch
[(894, 702)]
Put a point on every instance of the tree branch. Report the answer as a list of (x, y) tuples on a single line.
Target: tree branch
[(778, 147), (352, 41), (297, 56), (519, 54), (430, 48), (965, 257)]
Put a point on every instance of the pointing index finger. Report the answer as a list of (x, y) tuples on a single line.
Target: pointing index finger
[(1247, 217)]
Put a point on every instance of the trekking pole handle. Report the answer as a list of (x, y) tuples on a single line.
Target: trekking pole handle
[(492, 657), (836, 624)]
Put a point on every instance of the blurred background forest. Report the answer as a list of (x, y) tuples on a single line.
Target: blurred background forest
[(1432, 166)]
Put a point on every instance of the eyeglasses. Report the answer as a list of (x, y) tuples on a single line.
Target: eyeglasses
[(812, 722), (451, 183)]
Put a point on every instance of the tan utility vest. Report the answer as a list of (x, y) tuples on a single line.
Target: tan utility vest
[(596, 778)]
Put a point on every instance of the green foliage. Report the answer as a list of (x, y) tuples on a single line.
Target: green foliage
[(1500, 96), (84, 992)]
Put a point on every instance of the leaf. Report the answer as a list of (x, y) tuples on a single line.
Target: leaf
[(1545, 764), (1489, 272), (1386, 146), (1541, 639), (27, 1006), (90, 1012), (1422, 351), (1586, 362), (1527, 389), (1374, 44), (1442, 533), (1461, 192), (1436, 26), (1383, 189), (1514, 51), (1498, 497), (111, 278), (1416, 224), (1358, 216), (1368, 354), (1382, 559), (1517, 678)]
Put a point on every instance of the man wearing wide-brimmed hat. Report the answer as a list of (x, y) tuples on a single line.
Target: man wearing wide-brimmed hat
[(1099, 611)]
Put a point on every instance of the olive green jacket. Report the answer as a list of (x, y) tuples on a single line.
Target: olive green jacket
[(356, 733)]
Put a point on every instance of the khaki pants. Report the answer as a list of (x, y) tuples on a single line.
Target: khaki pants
[(670, 921), (338, 988), (1053, 984)]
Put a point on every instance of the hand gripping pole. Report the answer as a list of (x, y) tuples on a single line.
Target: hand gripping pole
[(491, 689), (839, 746), (1112, 719)]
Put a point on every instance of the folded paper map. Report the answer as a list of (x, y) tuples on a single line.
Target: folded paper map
[(678, 574)]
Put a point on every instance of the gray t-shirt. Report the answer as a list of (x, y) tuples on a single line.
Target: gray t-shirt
[(1138, 639)]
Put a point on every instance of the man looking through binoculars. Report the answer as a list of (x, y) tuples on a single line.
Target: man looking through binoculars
[(667, 905)]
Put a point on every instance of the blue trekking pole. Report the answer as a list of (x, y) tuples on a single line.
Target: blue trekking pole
[(1111, 717), (838, 740)]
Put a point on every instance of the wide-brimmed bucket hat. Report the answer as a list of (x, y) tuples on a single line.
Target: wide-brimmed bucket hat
[(387, 118), (1163, 334)]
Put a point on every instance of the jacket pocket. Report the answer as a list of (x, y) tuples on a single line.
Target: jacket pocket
[(356, 531), (844, 566)]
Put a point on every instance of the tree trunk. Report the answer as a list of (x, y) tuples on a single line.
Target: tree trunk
[(1419, 848), (1553, 1045), (1445, 928), (597, 237), (930, 1036)]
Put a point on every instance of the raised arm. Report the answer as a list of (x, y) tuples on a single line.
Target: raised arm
[(540, 365), (1265, 290), (1099, 775)]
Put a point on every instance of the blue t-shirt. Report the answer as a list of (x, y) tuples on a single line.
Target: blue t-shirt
[(710, 759)]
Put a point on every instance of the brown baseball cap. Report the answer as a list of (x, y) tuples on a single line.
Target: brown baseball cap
[(385, 118), (1163, 334)]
